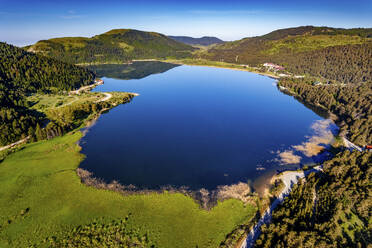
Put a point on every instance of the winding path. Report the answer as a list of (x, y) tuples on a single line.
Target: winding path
[(83, 88), (107, 97), (14, 144), (289, 179)]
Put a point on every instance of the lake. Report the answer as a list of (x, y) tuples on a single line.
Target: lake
[(198, 127)]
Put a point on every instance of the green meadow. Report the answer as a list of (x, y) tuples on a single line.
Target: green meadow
[(42, 198)]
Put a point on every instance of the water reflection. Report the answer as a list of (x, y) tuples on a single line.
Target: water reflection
[(135, 70)]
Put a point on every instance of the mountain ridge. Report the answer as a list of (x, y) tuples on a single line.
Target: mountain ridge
[(303, 50), (203, 41), (114, 46)]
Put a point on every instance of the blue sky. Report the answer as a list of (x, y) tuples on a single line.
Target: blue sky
[(25, 22)]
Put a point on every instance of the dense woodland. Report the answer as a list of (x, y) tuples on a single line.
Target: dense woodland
[(343, 55), (29, 72), (352, 104), (345, 64), (115, 46), (332, 209), (22, 73)]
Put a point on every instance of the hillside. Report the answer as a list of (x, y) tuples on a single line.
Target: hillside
[(115, 46), (331, 210), (22, 73), (336, 54), (203, 41)]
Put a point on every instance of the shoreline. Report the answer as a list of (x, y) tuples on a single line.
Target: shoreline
[(196, 195), (180, 62), (228, 66), (289, 178)]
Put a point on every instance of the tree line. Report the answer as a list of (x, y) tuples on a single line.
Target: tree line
[(22, 73), (345, 64), (352, 104), (331, 209)]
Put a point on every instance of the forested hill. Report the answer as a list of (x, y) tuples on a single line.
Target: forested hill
[(115, 46), (203, 41), (342, 55), (22, 73), (32, 72)]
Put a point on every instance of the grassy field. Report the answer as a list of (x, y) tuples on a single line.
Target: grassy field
[(41, 102), (41, 196), (312, 42)]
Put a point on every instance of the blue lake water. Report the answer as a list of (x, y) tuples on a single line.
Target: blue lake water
[(195, 126)]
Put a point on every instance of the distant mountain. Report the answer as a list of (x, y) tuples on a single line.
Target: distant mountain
[(204, 41), (333, 53), (115, 46)]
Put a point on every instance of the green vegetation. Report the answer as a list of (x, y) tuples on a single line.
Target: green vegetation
[(115, 46), (296, 44), (341, 55), (29, 72), (303, 30), (331, 209), (277, 187), (352, 104), (41, 102), (42, 197), (96, 234), (44, 203), (22, 73), (345, 64), (75, 114)]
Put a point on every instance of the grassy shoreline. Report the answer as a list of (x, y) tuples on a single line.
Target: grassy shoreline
[(43, 200), (166, 219)]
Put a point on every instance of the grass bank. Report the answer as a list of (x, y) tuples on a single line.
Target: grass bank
[(41, 196)]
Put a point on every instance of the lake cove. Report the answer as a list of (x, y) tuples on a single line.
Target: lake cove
[(198, 127)]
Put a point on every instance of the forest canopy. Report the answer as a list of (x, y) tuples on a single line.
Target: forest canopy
[(22, 73)]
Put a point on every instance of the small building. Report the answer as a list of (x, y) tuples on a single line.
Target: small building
[(283, 75), (368, 147), (98, 81), (273, 67)]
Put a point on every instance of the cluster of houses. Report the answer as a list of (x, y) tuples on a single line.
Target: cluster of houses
[(98, 81), (273, 67)]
